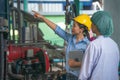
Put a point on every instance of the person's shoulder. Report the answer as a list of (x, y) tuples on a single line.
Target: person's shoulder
[(96, 41), (86, 40), (110, 40)]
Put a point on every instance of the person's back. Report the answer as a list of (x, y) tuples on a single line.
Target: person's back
[(108, 55), (101, 58)]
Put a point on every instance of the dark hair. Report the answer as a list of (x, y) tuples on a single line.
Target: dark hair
[(85, 32)]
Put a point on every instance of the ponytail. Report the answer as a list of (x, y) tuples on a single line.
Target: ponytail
[(85, 32)]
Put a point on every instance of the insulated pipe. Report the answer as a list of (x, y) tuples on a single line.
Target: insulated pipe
[(12, 75)]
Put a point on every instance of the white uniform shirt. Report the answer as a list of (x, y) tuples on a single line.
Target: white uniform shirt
[(101, 60)]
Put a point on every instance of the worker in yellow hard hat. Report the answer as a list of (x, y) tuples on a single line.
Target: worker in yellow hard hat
[(84, 19), (76, 41), (84, 22)]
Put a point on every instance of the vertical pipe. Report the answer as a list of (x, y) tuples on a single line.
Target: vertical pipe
[(77, 7), (13, 25), (25, 5), (13, 22), (6, 39), (19, 21), (25, 22), (3, 37), (1, 56)]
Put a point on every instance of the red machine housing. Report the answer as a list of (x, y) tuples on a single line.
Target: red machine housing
[(17, 52)]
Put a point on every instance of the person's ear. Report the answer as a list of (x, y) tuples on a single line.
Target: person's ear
[(82, 29)]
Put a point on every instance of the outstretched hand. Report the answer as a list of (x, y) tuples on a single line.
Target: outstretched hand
[(44, 19), (36, 14)]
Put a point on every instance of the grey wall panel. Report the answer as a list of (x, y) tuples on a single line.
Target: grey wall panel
[(113, 7)]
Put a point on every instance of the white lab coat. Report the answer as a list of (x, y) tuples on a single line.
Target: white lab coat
[(101, 60)]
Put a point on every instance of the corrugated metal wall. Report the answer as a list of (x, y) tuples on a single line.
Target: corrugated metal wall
[(113, 6)]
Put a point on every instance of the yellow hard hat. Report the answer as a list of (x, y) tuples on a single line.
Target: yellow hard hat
[(84, 19)]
